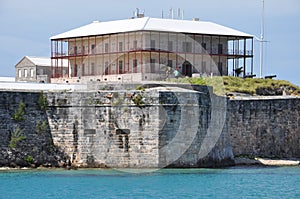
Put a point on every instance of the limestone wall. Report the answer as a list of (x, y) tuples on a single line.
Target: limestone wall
[(25, 137), (116, 127), (265, 127), (123, 126), (105, 128)]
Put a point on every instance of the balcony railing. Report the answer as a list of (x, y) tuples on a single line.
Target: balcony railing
[(214, 51), (240, 52)]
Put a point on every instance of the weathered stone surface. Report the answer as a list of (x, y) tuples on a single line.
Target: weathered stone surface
[(265, 127), (160, 126), (36, 148), (131, 128), (120, 127)]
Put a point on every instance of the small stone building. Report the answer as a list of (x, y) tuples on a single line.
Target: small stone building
[(34, 69)]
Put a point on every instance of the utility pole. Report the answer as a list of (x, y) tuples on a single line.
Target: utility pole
[(261, 39)]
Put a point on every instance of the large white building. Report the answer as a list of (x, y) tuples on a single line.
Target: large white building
[(147, 48)]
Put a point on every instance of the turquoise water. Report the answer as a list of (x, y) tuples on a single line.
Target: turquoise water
[(243, 182)]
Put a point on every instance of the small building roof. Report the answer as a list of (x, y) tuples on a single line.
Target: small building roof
[(151, 24), (42, 61)]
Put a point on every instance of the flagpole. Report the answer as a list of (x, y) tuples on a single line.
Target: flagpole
[(262, 39)]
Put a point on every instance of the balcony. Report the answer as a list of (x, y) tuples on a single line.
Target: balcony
[(240, 52)]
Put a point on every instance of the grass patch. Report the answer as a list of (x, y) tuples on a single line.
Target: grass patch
[(252, 86)]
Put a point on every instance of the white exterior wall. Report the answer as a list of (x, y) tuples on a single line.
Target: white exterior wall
[(108, 50), (25, 67)]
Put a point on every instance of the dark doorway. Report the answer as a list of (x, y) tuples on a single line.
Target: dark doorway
[(187, 69)]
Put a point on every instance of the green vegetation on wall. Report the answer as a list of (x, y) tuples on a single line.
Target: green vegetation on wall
[(138, 100), (252, 86), (29, 159), (41, 127), (16, 137), (42, 101), (20, 112)]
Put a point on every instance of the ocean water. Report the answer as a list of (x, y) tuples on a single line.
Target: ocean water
[(237, 182)]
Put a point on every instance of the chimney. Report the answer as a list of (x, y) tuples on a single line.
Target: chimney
[(140, 15), (195, 19)]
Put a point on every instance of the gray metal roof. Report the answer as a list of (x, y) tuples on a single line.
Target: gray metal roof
[(151, 24)]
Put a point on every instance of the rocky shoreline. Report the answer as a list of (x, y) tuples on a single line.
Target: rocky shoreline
[(266, 162), (240, 161)]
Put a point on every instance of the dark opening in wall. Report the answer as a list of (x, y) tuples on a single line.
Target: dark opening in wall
[(122, 131), (89, 131), (123, 138)]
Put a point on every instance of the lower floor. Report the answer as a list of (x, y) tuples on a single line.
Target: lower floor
[(150, 65)]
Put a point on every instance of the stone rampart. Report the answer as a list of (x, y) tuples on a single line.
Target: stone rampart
[(25, 137), (265, 127), (156, 127), (120, 127), (152, 126)]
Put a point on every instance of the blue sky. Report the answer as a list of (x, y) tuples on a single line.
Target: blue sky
[(25, 26)]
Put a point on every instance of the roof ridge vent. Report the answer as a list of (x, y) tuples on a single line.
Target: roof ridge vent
[(140, 15)]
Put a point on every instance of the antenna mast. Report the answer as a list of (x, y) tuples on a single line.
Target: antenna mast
[(262, 39)]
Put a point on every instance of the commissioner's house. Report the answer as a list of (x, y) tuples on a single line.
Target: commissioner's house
[(146, 48)]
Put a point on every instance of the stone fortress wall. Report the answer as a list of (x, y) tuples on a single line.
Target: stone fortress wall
[(265, 127), (140, 128)]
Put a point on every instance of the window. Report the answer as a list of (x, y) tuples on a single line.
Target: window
[(31, 72), (20, 72), (25, 73), (83, 49), (93, 48), (152, 44), (134, 65), (170, 45), (75, 50), (204, 69), (106, 48), (135, 44), (106, 68), (120, 66), (152, 65), (220, 68), (41, 71), (220, 49), (203, 45), (92, 68), (170, 63), (83, 68), (120, 46), (75, 70), (187, 47)]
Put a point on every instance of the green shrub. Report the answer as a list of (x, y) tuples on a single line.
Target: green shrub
[(19, 114), (41, 127), (138, 100), (140, 88), (225, 84), (16, 137), (42, 101), (29, 159), (118, 101)]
